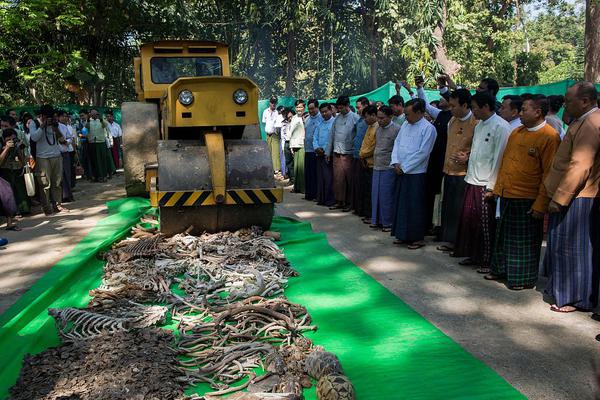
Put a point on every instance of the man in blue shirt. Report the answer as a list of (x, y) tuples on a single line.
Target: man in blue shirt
[(310, 159), (358, 188), (324, 168)]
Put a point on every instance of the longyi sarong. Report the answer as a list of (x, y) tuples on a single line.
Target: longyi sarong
[(115, 151), (382, 197), (310, 175), (410, 213), (572, 259), (274, 148), (452, 203), (356, 197), (97, 152), (8, 206), (15, 178), (342, 177), (66, 183), (324, 182), (367, 184), (299, 170), (518, 243), (474, 237)]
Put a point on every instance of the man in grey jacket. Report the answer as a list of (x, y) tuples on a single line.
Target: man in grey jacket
[(49, 164), (340, 149)]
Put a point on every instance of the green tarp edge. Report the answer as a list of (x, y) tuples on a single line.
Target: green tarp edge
[(26, 327), (388, 350)]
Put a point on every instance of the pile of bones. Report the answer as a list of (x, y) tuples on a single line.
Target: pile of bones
[(224, 294)]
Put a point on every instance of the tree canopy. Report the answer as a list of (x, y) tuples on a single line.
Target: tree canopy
[(80, 51)]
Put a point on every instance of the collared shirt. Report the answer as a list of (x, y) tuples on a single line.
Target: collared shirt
[(413, 146), (341, 140), (489, 141), (278, 121), (46, 142), (68, 135), (431, 110), (115, 129), (526, 162), (296, 132), (361, 129), (269, 118), (460, 138), (97, 131), (557, 124), (515, 123), (384, 145), (399, 119), (575, 172), (310, 125), (322, 133), (587, 114), (367, 150)]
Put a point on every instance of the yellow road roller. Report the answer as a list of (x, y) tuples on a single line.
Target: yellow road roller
[(192, 141)]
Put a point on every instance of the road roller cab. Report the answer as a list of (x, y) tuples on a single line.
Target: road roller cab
[(192, 141)]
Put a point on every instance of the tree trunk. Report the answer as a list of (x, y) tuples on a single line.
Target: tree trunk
[(449, 66), (370, 30), (290, 74), (592, 41)]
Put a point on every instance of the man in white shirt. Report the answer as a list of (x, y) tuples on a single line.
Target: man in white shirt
[(66, 149), (410, 157), (117, 137), (510, 110), (477, 223), (270, 118)]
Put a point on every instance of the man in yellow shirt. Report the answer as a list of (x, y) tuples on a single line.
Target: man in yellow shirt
[(367, 149), (522, 197)]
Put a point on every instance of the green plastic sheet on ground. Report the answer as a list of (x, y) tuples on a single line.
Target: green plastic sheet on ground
[(388, 350), (26, 327)]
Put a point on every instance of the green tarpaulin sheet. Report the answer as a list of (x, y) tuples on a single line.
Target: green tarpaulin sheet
[(388, 350)]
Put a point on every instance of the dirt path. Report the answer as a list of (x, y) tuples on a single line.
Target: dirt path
[(45, 240)]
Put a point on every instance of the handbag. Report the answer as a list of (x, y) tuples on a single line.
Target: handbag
[(29, 181), (79, 170)]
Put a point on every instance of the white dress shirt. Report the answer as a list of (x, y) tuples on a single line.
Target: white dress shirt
[(489, 140), (515, 123), (269, 118), (413, 146), (68, 135), (115, 129)]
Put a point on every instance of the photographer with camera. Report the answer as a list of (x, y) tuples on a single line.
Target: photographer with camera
[(11, 168), (8, 205), (49, 164)]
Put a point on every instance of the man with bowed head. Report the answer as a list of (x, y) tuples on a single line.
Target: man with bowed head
[(410, 157)]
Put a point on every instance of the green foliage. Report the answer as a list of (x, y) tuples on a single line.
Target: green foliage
[(80, 51)]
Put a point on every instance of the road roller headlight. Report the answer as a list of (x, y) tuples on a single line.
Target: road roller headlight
[(186, 97), (240, 96)]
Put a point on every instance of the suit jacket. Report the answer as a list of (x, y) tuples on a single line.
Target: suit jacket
[(575, 171)]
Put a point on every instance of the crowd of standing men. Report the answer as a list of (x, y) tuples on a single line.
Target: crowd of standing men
[(41, 156), (481, 175)]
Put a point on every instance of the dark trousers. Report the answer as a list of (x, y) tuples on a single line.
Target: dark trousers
[(324, 182), (289, 160)]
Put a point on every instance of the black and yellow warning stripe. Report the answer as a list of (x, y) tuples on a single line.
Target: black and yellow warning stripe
[(206, 198)]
